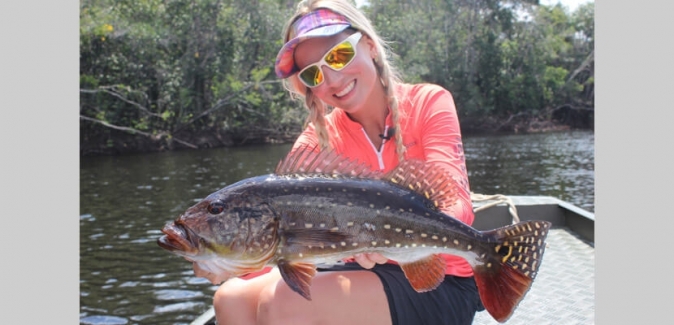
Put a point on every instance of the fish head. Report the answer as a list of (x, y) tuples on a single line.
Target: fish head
[(231, 230)]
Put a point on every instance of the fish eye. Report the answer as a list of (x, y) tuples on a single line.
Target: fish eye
[(216, 207)]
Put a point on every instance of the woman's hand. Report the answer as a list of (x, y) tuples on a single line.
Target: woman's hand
[(368, 260)]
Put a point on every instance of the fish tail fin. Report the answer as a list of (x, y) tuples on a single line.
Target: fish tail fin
[(506, 276)]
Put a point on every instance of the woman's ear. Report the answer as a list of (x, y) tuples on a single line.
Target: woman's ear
[(372, 47)]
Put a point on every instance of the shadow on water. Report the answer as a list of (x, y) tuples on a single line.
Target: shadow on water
[(126, 278)]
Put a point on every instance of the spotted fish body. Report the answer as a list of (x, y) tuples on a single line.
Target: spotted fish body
[(319, 208)]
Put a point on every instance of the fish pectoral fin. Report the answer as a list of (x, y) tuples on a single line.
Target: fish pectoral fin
[(425, 274), (298, 276), (314, 237)]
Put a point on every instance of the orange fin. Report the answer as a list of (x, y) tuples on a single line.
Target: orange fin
[(506, 276), (429, 180), (309, 160), (298, 276), (425, 274)]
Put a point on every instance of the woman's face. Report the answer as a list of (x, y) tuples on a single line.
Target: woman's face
[(349, 88)]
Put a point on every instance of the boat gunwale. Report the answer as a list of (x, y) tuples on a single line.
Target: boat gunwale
[(561, 213)]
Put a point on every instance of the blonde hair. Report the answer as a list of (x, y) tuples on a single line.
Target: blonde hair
[(387, 73)]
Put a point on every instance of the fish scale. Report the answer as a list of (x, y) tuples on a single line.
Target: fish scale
[(320, 208), (389, 221)]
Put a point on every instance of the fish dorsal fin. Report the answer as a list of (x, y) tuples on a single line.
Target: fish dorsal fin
[(310, 160), (429, 180)]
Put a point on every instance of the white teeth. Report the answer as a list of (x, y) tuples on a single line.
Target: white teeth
[(346, 90)]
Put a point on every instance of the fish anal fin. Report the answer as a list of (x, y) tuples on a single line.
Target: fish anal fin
[(298, 276), (425, 274), (426, 179)]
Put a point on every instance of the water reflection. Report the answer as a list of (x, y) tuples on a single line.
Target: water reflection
[(555, 164), (126, 278)]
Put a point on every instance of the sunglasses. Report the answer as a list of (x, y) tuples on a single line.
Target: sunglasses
[(337, 58)]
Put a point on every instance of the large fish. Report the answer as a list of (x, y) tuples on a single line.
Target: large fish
[(319, 208)]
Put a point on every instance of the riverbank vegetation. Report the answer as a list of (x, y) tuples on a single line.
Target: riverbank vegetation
[(175, 74)]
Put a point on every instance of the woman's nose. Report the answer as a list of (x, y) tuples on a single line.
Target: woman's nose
[(330, 76)]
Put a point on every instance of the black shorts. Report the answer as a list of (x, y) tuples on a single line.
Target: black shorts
[(454, 302)]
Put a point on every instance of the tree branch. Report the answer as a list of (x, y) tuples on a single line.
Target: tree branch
[(108, 90), (221, 103), (136, 131), (586, 62)]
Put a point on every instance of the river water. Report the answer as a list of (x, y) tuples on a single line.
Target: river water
[(126, 278)]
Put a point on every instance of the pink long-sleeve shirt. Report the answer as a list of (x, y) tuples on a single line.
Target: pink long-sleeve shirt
[(430, 132)]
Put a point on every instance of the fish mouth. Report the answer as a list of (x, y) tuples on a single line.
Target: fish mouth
[(179, 239)]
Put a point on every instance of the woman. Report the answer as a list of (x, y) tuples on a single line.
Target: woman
[(332, 57)]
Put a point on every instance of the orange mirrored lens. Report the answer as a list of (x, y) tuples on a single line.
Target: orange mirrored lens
[(340, 56), (337, 59), (312, 76)]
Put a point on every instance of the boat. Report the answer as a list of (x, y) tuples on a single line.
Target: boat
[(563, 291)]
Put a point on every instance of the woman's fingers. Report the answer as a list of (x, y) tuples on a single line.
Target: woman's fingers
[(368, 260)]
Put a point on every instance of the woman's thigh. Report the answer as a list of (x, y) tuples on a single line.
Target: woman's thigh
[(337, 298), (236, 301), (350, 297)]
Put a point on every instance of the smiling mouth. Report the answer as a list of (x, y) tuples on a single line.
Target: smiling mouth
[(346, 90)]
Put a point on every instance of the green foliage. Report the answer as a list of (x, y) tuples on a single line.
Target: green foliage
[(553, 81), (495, 61), (88, 81), (164, 67)]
